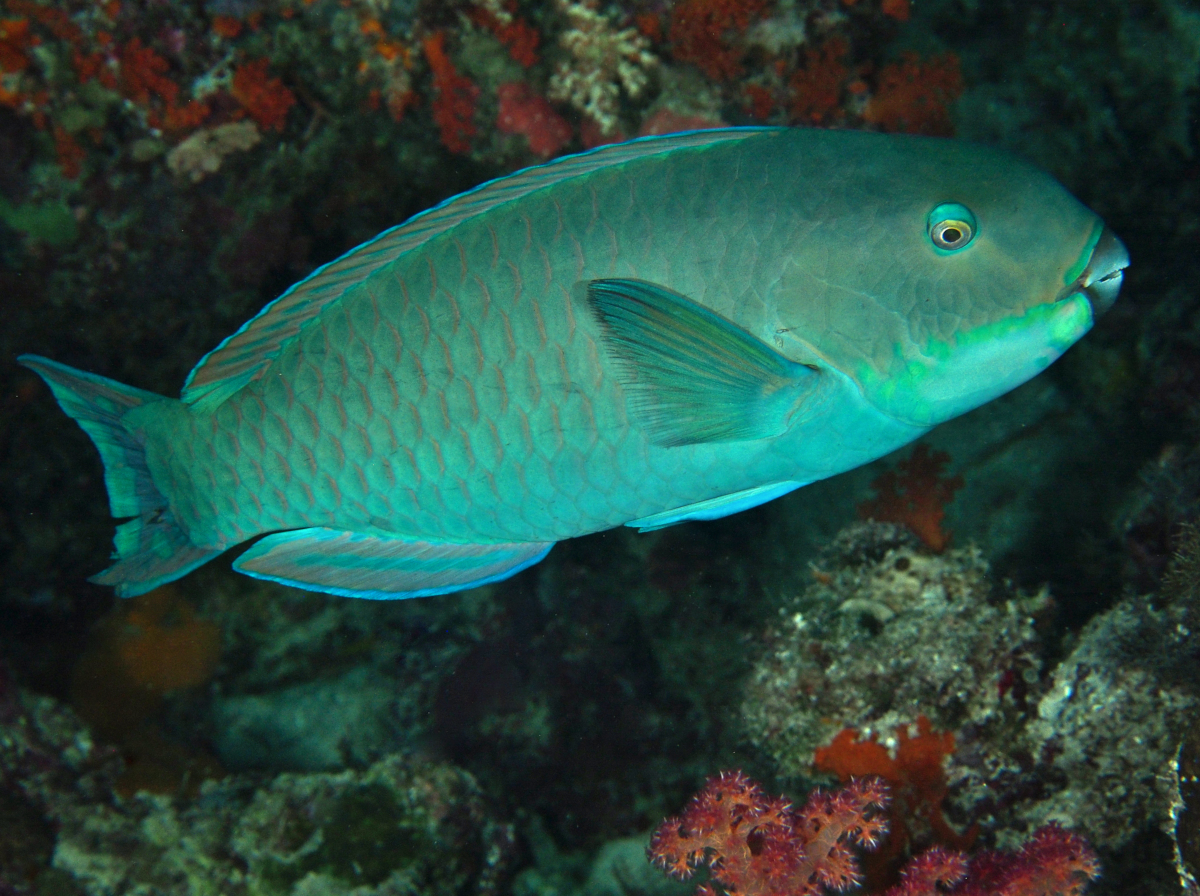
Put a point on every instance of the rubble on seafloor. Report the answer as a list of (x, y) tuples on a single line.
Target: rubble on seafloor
[(398, 826), (889, 633)]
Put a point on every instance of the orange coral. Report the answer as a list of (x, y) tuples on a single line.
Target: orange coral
[(264, 98), (916, 775), (915, 96), (454, 97), (146, 648), (915, 494), (701, 30), (816, 86), (163, 646)]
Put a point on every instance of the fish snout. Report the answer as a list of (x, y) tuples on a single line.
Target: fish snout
[(1101, 279)]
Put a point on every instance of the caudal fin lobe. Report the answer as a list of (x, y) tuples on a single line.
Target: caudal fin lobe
[(151, 548)]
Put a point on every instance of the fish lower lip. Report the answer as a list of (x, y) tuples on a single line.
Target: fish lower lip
[(1101, 279)]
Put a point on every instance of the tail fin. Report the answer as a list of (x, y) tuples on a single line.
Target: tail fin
[(151, 549)]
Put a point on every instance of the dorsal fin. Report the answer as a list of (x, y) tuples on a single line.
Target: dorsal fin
[(243, 357)]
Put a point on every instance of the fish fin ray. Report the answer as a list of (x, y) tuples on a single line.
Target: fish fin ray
[(242, 357), (151, 549), (382, 567), (694, 376), (715, 508)]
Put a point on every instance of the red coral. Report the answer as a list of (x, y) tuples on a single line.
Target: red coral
[(143, 74), (1055, 862), (454, 97), (518, 36), (761, 101), (915, 494), (701, 32), (265, 99), (760, 846), (650, 24), (897, 9), (816, 86), (57, 21), (915, 96), (522, 111), (68, 153), (227, 27), (15, 39)]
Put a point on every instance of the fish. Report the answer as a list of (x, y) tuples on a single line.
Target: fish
[(668, 329)]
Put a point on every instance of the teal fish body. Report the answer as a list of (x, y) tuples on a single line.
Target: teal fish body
[(669, 329)]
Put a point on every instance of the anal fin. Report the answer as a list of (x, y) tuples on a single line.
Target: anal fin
[(381, 567), (715, 508)]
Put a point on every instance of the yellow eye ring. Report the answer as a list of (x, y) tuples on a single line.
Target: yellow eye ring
[(951, 227)]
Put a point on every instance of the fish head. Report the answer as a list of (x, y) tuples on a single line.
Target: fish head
[(950, 274)]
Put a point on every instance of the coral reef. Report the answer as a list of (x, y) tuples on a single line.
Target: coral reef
[(888, 632), (1185, 807), (1109, 722), (399, 825), (604, 61)]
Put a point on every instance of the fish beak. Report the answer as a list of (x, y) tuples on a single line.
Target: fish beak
[(1101, 279)]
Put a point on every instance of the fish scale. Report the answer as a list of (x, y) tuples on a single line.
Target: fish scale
[(672, 329)]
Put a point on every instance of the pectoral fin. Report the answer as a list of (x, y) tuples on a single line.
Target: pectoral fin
[(694, 376)]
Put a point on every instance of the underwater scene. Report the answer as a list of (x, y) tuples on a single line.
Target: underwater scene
[(584, 448)]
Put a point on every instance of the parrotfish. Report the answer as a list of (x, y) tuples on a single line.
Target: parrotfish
[(675, 328)]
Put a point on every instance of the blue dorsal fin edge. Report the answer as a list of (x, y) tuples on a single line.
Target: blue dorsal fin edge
[(243, 356)]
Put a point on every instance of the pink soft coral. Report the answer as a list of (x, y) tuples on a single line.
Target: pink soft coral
[(756, 845), (1055, 862), (761, 846)]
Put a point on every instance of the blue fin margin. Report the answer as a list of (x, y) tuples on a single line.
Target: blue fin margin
[(382, 567)]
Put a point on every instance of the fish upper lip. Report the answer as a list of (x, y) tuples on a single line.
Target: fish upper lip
[(1101, 280)]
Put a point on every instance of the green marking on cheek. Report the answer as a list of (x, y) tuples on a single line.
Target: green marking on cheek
[(1085, 256), (947, 379)]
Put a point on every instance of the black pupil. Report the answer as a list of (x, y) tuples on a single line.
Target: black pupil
[(951, 235)]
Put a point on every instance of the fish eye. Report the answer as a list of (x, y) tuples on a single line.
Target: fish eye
[(952, 226)]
